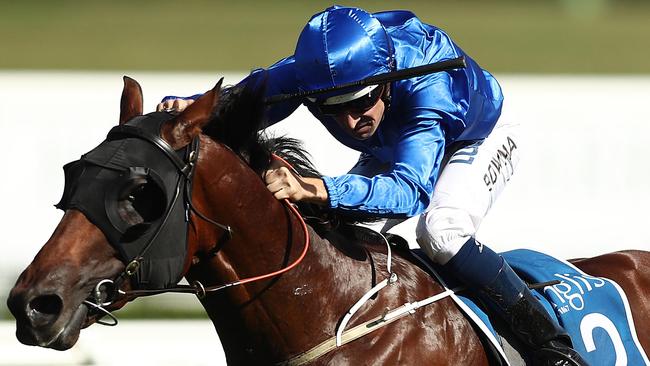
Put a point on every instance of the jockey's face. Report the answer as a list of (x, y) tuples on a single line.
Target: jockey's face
[(361, 125)]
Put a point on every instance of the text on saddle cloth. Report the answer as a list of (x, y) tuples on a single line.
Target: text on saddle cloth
[(593, 310)]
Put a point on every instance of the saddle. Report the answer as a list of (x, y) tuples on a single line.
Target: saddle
[(593, 310)]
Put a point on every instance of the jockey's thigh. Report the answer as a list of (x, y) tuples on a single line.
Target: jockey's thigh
[(468, 185)]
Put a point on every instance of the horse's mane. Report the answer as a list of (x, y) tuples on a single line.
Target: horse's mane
[(237, 123)]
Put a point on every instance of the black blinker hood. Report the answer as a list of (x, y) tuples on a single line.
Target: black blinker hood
[(135, 195)]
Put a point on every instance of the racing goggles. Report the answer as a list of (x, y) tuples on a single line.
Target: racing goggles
[(356, 102)]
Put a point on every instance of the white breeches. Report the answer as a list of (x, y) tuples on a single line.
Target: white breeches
[(468, 185)]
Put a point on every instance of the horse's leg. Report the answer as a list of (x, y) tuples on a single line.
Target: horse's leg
[(631, 270)]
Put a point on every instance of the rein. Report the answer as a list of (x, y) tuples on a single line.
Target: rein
[(185, 173), (201, 291), (185, 170)]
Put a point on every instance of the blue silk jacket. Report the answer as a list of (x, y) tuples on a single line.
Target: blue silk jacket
[(426, 114)]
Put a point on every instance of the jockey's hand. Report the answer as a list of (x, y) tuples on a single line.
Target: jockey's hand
[(284, 183), (174, 105)]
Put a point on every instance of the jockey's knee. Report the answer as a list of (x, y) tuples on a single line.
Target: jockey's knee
[(441, 232)]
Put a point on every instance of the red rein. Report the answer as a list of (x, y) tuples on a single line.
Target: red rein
[(292, 265), (304, 251), (198, 289)]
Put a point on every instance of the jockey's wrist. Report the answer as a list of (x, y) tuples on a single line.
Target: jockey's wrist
[(314, 191)]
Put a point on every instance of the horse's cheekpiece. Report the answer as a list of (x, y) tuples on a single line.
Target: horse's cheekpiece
[(125, 188)]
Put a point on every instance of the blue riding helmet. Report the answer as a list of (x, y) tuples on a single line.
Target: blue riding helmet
[(341, 45)]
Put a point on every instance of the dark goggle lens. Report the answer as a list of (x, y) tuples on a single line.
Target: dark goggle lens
[(358, 105)]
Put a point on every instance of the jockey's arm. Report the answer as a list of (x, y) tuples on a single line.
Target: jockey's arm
[(406, 187), (279, 79)]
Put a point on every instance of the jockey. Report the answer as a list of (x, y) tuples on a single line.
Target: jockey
[(432, 146)]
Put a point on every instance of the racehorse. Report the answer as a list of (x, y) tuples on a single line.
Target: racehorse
[(236, 230)]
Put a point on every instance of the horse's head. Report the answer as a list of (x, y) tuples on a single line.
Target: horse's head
[(124, 225)]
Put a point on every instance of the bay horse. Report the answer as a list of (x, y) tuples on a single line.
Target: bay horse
[(237, 230)]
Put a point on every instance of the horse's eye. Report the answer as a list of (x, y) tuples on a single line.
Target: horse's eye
[(141, 201)]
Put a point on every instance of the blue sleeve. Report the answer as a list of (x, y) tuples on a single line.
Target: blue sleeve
[(406, 189), (281, 79), (423, 105)]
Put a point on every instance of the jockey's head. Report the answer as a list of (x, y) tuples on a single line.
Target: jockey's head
[(341, 45), (338, 46)]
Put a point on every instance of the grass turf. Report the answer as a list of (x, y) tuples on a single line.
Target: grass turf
[(553, 36)]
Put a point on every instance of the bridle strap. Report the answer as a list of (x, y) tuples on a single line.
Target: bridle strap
[(200, 291), (186, 170), (192, 158)]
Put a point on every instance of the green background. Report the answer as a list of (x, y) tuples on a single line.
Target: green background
[(513, 36)]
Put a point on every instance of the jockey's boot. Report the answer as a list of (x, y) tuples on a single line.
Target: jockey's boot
[(505, 293), (509, 296)]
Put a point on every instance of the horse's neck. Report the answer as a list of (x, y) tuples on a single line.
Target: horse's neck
[(266, 238), (271, 320), (229, 192)]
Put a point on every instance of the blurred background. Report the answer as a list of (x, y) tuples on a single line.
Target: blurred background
[(576, 74), (517, 36)]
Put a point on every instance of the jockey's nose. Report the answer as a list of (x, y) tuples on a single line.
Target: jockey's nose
[(348, 119)]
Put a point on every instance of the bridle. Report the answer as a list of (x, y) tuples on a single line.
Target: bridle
[(107, 291)]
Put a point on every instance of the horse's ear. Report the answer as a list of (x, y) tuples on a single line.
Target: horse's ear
[(131, 102), (189, 123)]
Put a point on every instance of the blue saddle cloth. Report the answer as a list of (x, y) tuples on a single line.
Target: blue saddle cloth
[(593, 310)]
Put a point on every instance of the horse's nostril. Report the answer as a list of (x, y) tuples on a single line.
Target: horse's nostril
[(47, 304), (44, 309)]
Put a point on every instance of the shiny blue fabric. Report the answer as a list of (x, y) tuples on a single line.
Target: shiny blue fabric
[(341, 45), (426, 114)]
